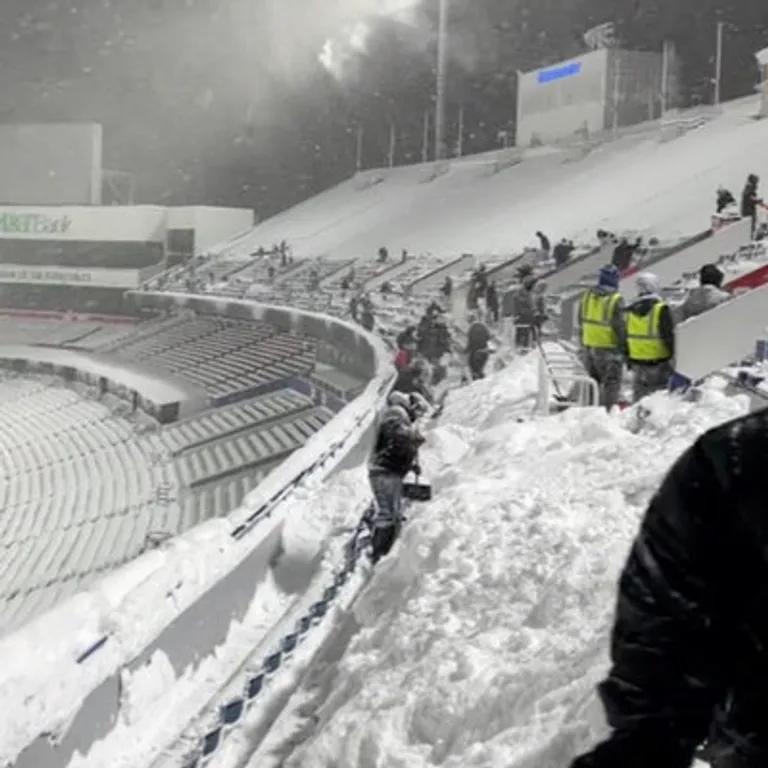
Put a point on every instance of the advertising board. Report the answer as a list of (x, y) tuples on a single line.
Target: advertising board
[(87, 278), (140, 224)]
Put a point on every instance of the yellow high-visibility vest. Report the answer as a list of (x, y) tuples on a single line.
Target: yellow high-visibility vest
[(644, 336), (596, 316)]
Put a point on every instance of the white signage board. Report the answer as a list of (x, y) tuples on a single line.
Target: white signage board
[(137, 224), (86, 278)]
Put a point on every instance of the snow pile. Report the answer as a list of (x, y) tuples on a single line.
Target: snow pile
[(482, 638), (156, 705), (493, 204)]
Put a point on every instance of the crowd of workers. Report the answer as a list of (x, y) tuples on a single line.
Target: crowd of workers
[(641, 334), (638, 335)]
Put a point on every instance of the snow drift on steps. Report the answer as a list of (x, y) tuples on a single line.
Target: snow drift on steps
[(484, 635)]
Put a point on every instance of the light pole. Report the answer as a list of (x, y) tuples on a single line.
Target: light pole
[(665, 66), (719, 60), (359, 152), (460, 140), (762, 59), (442, 66)]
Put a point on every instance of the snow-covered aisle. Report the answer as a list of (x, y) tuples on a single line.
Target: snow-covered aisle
[(484, 634)]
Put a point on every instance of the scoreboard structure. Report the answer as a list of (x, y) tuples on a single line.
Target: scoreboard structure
[(50, 164), (604, 89)]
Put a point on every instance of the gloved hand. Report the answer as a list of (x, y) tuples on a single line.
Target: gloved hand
[(416, 469)]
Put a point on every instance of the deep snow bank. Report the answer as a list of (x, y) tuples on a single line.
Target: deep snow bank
[(483, 636), (158, 704)]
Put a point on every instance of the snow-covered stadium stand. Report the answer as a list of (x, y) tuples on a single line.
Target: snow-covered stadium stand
[(170, 478), (80, 492), (220, 614)]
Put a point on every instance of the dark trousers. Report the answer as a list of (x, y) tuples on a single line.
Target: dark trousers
[(651, 378), (477, 362), (606, 368), (526, 336), (382, 541)]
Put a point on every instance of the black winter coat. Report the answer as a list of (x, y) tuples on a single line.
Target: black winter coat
[(622, 256), (478, 337), (562, 254), (724, 199), (690, 640), (396, 449), (749, 200), (408, 381)]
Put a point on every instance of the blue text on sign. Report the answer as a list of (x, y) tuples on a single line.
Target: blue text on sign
[(560, 73)]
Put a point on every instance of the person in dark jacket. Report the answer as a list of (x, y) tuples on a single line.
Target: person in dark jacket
[(472, 296), (436, 340), (447, 289), (492, 302), (415, 378), (706, 296), (407, 338), (394, 455), (562, 253), (623, 253), (478, 339), (367, 318), (750, 199), (529, 313), (480, 281), (650, 338), (406, 347), (690, 639), (546, 246), (724, 199)]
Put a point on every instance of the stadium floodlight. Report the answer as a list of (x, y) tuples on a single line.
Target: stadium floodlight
[(762, 60)]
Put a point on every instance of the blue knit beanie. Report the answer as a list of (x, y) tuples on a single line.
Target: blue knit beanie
[(609, 277)]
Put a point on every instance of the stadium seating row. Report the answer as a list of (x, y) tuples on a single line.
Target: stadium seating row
[(223, 356), (79, 492), (82, 492), (238, 418)]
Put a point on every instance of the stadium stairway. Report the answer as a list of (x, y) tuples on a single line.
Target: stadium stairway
[(673, 267)]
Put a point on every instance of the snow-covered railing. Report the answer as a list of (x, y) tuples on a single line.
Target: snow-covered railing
[(292, 648), (179, 601), (710, 342), (724, 242)]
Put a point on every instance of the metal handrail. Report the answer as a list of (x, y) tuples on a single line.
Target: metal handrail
[(550, 376)]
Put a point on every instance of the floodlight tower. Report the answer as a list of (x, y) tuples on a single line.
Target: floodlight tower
[(441, 149)]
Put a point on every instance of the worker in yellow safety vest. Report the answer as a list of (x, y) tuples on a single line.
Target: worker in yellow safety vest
[(650, 338), (603, 336)]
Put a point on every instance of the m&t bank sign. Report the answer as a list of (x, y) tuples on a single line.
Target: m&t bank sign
[(33, 224)]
